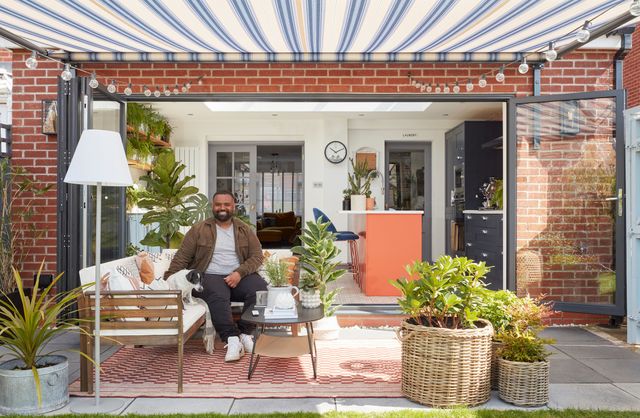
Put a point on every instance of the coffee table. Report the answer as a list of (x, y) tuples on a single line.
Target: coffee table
[(283, 346)]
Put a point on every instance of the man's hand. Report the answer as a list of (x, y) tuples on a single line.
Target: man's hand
[(233, 279)]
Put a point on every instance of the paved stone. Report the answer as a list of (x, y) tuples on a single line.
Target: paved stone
[(268, 406), (74, 401), (631, 388), (376, 405), (572, 335), (617, 370), (496, 403), (556, 354), (573, 371), (591, 396), (146, 406), (598, 351)]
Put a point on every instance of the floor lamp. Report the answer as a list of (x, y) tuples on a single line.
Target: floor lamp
[(99, 160)]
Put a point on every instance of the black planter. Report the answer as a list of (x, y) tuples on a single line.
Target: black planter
[(346, 204)]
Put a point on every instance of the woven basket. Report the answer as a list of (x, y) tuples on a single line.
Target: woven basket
[(444, 367), (495, 346), (524, 384)]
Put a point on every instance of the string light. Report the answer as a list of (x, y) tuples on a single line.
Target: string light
[(551, 54), (429, 88), (66, 73), (147, 91), (157, 92), (423, 88), (446, 89), (483, 81), (128, 90), (167, 92), (523, 67), (176, 90), (634, 9), (185, 89), (456, 88), (93, 83), (469, 85), (111, 88), (32, 61), (418, 85), (438, 88), (583, 34), (500, 75)]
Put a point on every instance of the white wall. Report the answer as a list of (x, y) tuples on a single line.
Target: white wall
[(324, 181)]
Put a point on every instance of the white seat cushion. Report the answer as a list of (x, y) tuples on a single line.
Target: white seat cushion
[(190, 315)]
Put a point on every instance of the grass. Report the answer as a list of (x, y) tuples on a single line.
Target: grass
[(442, 413)]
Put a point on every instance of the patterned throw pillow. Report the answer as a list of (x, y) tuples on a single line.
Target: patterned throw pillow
[(116, 280)]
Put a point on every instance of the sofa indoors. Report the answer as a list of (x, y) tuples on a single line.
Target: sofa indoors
[(278, 228)]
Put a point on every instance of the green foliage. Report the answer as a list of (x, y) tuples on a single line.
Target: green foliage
[(132, 249), (19, 191), (525, 347), (317, 254), (446, 294), (310, 282), (142, 118), (497, 197), (361, 177), (25, 332), (277, 272), (132, 196), (496, 308), (171, 203)]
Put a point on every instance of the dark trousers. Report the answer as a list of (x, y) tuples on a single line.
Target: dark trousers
[(219, 295)]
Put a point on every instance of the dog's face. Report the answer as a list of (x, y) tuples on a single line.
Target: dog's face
[(195, 278)]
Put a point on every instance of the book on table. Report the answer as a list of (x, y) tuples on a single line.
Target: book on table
[(280, 313)]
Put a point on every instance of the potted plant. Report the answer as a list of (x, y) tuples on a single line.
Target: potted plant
[(277, 272), (443, 300), (360, 180), (318, 254), (38, 379), (310, 290), (522, 359), (346, 199)]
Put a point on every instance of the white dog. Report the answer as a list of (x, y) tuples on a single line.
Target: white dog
[(186, 281)]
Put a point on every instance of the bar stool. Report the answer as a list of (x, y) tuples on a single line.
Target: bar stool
[(349, 236)]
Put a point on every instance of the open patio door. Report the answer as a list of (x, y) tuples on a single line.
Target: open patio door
[(81, 107), (566, 232)]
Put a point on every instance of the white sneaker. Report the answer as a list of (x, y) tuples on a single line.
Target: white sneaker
[(247, 342), (235, 350)]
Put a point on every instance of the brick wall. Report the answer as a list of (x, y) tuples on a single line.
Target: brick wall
[(632, 71), (579, 71)]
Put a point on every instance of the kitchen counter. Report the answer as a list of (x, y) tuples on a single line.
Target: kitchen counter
[(489, 211)]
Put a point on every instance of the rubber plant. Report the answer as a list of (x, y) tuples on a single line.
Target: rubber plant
[(170, 202)]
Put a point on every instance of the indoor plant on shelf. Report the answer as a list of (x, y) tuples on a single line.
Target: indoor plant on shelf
[(277, 272), (318, 254), (522, 360), (310, 290), (443, 306), (38, 379), (360, 180)]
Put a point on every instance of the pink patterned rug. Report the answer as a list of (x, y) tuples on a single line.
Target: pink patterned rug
[(346, 368)]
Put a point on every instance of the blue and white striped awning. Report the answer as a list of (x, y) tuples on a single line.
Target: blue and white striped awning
[(302, 30)]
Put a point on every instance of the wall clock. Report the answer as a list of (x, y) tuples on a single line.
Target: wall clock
[(335, 152)]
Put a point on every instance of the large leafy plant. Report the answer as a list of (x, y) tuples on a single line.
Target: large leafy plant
[(26, 330), (496, 308), (318, 254), (445, 294), (171, 203)]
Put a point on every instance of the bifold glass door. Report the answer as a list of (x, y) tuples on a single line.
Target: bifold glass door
[(566, 231)]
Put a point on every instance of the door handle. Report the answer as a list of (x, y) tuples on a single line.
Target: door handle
[(453, 197), (619, 198)]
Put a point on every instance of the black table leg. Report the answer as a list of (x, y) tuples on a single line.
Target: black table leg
[(252, 364), (312, 348)]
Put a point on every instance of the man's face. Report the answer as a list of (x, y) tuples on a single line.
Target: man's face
[(223, 207)]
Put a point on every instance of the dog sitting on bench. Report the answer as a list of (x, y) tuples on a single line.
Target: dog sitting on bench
[(187, 281)]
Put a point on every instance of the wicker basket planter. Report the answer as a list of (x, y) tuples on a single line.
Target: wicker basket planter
[(495, 346), (444, 367), (524, 384)]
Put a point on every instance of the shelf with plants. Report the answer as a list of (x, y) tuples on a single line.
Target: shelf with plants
[(148, 132)]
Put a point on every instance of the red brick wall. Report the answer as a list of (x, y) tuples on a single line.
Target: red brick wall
[(5, 55), (579, 71), (632, 71)]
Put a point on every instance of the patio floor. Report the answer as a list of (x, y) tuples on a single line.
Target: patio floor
[(588, 371)]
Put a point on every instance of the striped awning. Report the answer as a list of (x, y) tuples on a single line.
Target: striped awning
[(302, 30)]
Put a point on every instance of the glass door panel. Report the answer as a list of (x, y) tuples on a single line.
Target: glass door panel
[(406, 180), (569, 224)]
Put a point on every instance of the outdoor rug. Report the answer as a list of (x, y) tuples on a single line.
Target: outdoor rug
[(346, 368)]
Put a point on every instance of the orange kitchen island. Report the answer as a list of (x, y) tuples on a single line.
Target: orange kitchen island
[(389, 240)]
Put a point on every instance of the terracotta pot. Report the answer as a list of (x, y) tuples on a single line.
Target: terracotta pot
[(371, 203)]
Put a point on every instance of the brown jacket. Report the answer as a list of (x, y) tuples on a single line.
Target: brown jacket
[(197, 248)]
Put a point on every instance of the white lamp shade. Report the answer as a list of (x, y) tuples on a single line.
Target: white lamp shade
[(99, 158)]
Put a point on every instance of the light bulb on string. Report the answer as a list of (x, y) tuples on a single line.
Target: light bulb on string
[(500, 75), (583, 34), (111, 88), (184, 88), (413, 81), (157, 92), (147, 91), (438, 88), (469, 85), (523, 67), (423, 87), (128, 90), (483, 81), (429, 88), (66, 73), (32, 61), (418, 85), (634, 9), (200, 82), (188, 85), (456, 88), (551, 54), (446, 89), (167, 92), (176, 90), (93, 83)]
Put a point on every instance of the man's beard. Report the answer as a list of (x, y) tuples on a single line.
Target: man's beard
[(223, 215)]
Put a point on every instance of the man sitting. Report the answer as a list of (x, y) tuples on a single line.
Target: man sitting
[(227, 250)]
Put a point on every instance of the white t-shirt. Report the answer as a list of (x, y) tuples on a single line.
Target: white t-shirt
[(225, 260)]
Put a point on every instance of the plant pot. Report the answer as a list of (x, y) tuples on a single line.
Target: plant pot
[(310, 298), (358, 202), (495, 346), (326, 328), (371, 203), (524, 384), (274, 293), (444, 367), (346, 204), (22, 398)]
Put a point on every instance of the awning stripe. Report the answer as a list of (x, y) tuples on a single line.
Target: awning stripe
[(441, 8), (352, 23), (210, 20), (37, 37), (396, 11), (315, 23), (288, 25), (250, 23)]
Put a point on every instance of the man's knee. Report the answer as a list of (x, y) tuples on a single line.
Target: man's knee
[(255, 282)]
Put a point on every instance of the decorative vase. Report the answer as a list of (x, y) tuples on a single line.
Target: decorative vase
[(346, 204), (273, 294), (371, 203), (523, 384), (310, 298), (358, 202)]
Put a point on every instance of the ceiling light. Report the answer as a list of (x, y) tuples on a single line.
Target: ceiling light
[(483, 81), (32, 61), (583, 34), (93, 83), (66, 73), (500, 75), (634, 9), (523, 67), (551, 54)]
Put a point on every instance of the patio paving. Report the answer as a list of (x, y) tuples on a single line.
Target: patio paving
[(587, 372)]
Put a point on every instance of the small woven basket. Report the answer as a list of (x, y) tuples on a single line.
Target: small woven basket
[(524, 384), (495, 346), (444, 367)]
